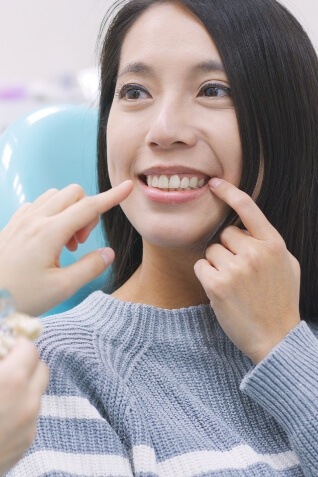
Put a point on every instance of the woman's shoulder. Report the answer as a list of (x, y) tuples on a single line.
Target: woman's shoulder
[(84, 311), (75, 327)]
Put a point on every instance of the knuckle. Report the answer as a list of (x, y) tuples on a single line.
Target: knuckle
[(52, 190), (212, 249), (24, 207), (75, 186), (276, 247), (220, 289), (31, 229), (26, 223), (198, 266), (227, 232), (252, 257), (76, 189), (224, 235)]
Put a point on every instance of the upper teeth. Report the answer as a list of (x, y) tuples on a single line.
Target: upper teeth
[(174, 182)]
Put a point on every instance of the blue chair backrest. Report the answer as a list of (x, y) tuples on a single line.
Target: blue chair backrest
[(52, 147)]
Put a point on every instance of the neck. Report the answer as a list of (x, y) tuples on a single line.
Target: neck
[(165, 279)]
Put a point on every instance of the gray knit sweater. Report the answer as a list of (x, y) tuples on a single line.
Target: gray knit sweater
[(141, 391)]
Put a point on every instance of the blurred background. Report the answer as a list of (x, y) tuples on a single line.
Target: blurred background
[(48, 51)]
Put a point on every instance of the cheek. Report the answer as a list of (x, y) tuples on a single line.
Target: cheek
[(226, 143), (124, 140), (233, 163), (116, 156), (229, 150), (111, 146)]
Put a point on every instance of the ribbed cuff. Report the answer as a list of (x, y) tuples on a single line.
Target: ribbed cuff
[(285, 383)]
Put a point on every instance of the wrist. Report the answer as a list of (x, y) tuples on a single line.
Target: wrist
[(258, 356)]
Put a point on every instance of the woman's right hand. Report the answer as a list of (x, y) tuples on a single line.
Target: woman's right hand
[(32, 241), (23, 379)]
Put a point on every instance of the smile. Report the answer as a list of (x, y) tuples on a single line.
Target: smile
[(173, 189), (175, 182)]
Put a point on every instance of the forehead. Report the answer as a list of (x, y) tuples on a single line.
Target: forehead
[(167, 31)]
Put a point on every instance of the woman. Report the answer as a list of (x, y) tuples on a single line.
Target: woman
[(198, 363)]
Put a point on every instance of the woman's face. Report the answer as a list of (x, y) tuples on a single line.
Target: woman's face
[(172, 126)]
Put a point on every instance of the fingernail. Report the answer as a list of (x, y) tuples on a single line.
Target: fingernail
[(214, 182), (107, 255)]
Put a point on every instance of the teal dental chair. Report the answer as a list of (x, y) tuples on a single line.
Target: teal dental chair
[(52, 147)]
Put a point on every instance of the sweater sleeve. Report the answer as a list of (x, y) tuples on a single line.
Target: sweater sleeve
[(285, 384)]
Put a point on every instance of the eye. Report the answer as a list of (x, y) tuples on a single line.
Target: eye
[(132, 92), (213, 90)]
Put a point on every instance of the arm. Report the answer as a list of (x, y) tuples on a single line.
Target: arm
[(285, 383), (253, 283)]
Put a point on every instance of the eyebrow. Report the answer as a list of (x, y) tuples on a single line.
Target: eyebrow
[(207, 66), (137, 67), (145, 70)]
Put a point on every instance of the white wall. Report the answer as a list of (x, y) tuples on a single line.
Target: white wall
[(45, 37), (306, 11)]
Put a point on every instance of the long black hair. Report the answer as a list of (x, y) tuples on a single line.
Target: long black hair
[(272, 69)]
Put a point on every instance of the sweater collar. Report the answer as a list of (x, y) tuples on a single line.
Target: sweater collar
[(117, 316)]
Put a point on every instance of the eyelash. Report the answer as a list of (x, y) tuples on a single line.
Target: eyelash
[(129, 87), (123, 90), (215, 86)]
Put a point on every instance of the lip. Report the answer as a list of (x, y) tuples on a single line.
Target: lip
[(171, 170), (173, 197)]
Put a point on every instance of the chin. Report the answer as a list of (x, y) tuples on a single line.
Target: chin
[(178, 231), (182, 240)]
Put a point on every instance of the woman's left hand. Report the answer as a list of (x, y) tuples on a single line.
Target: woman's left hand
[(250, 278)]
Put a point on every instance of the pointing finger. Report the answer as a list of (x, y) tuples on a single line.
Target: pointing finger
[(252, 217), (87, 210)]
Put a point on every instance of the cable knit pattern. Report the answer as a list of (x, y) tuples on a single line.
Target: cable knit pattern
[(141, 391)]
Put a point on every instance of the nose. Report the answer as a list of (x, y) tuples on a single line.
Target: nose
[(171, 126)]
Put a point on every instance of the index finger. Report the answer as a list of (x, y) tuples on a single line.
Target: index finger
[(85, 211), (251, 215)]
